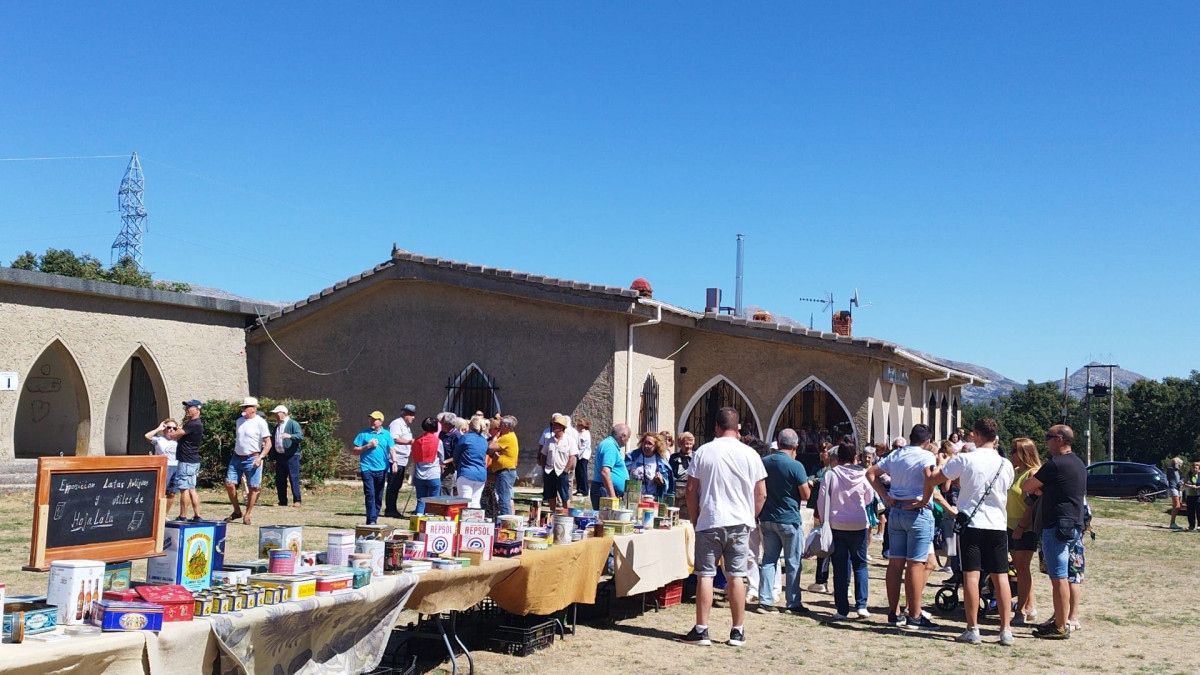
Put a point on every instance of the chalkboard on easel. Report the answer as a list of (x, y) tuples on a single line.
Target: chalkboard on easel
[(98, 508)]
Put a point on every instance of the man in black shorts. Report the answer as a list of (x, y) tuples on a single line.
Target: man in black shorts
[(984, 478)]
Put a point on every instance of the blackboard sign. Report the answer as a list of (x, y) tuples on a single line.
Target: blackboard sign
[(98, 508), (101, 507)]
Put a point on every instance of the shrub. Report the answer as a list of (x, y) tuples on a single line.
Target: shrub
[(319, 451)]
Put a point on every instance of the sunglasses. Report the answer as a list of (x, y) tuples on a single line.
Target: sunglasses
[(172, 427), (1051, 437)]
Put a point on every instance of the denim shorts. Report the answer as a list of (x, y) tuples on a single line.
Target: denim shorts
[(185, 476), (1056, 554), (731, 544), (171, 478), (910, 533), (243, 466)]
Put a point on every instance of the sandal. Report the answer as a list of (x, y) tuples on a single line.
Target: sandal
[(233, 516)]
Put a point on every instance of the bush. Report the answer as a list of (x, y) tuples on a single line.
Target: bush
[(319, 451)]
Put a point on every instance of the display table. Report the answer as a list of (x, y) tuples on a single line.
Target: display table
[(646, 562), (338, 633), (441, 591), (550, 580)]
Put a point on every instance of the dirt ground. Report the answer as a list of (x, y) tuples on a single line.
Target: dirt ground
[(1138, 612)]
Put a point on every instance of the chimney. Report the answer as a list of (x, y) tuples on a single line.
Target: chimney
[(737, 289), (712, 300), (841, 322)]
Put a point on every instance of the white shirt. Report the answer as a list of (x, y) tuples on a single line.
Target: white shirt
[(250, 433), (400, 432), (974, 471), (726, 471), (165, 446), (585, 444), (279, 435), (644, 468), (557, 452)]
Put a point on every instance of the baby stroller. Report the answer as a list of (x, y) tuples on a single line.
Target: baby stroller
[(947, 598)]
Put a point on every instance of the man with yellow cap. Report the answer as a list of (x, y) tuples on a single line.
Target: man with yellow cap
[(373, 446)]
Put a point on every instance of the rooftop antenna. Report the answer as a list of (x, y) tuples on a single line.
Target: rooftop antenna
[(826, 303), (855, 303), (128, 243)]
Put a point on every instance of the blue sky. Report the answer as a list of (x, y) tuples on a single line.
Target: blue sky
[(1011, 184)]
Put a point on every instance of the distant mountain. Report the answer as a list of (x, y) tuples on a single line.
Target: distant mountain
[(998, 385)]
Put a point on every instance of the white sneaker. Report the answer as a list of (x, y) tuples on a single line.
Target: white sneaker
[(877, 537), (970, 636), (818, 588), (1006, 637), (863, 613)]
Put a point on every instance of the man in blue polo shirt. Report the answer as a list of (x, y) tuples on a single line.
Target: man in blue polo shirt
[(373, 446), (909, 523), (610, 474)]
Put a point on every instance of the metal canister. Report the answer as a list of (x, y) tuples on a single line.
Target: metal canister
[(226, 603), (203, 604), (393, 556)]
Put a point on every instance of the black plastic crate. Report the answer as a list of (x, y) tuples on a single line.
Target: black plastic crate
[(396, 669), (521, 641)]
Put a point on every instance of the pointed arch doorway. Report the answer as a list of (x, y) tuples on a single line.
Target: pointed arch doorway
[(470, 392), (813, 408), (53, 413), (137, 404), (700, 417)]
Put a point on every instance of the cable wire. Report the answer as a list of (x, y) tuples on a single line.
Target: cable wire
[(346, 370)]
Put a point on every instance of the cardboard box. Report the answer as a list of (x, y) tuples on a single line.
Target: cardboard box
[(478, 537), (32, 612), (297, 585), (117, 576), (188, 558), (114, 615), (177, 602), (279, 536), (72, 587), (475, 557)]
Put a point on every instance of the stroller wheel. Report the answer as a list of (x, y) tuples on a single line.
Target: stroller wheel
[(946, 600)]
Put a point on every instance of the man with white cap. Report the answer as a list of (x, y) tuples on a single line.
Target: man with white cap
[(252, 442), (287, 455)]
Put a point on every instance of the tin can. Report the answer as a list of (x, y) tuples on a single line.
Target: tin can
[(202, 605), (282, 561), (393, 556)]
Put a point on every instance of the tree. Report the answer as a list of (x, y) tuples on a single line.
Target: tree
[(64, 262)]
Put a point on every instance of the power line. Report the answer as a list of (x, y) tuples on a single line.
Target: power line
[(44, 159)]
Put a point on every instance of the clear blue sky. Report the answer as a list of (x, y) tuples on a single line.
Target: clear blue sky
[(1015, 185)]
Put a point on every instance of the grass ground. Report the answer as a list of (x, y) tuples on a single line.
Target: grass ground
[(1139, 610)]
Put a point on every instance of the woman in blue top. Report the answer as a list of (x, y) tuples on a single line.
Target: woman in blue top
[(649, 464), (469, 454)]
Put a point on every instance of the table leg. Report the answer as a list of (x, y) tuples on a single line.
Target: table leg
[(446, 640), (454, 632)]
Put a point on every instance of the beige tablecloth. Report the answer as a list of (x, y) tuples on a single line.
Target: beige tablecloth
[(456, 590), (648, 561), (550, 580), (328, 634)]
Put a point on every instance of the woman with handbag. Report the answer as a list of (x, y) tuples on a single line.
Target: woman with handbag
[(847, 494)]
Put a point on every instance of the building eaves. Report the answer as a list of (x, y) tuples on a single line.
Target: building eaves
[(505, 273)]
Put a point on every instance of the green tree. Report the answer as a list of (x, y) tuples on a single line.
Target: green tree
[(26, 261), (64, 262)]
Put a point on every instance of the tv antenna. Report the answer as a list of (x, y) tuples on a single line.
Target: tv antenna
[(826, 303)]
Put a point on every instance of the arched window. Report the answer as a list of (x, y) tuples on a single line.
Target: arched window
[(814, 410), (472, 391), (701, 418), (137, 404), (53, 413), (648, 412), (931, 419)]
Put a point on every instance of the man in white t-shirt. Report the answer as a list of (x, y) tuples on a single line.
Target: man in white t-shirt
[(252, 442), (402, 437), (726, 489), (984, 478)]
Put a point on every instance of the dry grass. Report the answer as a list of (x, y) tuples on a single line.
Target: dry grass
[(1139, 609)]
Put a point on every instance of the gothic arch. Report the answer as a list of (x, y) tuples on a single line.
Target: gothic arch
[(472, 389), (811, 379), (137, 403), (54, 412), (737, 399)]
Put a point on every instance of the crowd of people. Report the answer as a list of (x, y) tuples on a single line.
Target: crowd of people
[(987, 511)]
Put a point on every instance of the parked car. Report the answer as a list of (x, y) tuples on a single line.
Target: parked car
[(1126, 479)]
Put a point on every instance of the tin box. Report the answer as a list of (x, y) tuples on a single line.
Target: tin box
[(117, 575), (72, 587), (506, 549), (127, 595), (177, 602), (296, 585), (258, 566), (271, 537), (230, 577), (378, 531), (188, 549), (115, 615), (330, 582), (36, 616)]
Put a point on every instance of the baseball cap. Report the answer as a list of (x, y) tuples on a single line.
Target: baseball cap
[(280, 409), (192, 402), (376, 415)]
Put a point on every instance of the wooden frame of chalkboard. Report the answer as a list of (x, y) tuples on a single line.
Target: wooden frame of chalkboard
[(98, 508)]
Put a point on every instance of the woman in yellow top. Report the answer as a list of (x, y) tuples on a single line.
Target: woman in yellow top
[(503, 451), (1025, 463)]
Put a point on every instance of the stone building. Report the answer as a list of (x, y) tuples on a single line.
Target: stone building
[(95, 362)]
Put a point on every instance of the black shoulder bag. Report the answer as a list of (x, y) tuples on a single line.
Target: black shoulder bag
[(962, 520)]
